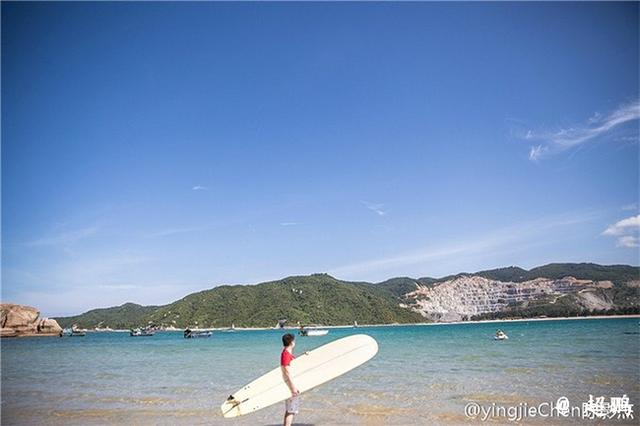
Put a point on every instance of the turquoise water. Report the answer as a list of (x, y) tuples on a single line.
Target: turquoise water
[(422, 374)]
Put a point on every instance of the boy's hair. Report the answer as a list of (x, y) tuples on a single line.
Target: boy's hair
[(287, 339)]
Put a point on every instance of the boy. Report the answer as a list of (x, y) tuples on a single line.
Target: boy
[(291, 404)]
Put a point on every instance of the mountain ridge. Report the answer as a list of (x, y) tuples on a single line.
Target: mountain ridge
[(323, 299)]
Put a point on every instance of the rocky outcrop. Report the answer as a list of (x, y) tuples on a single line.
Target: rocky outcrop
[(592, 299), (19, 320), (466, 296)]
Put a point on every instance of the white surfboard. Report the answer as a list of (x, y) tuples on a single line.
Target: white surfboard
[(308, 371)]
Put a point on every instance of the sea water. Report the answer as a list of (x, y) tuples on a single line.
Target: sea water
[(421, 374)]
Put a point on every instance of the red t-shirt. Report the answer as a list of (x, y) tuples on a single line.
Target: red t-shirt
[(286, 357)]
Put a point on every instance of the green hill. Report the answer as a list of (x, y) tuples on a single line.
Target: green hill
[(315, 299), (118, 317), (397, 287), (617, 274)]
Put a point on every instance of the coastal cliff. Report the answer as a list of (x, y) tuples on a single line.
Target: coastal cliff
[(19, 320)]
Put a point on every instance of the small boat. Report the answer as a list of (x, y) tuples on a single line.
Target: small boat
[(72, 332), (141, 332), (313, 332), (317, 332), (231, 329), (197, 334)]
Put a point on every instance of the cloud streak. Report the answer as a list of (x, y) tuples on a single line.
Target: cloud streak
[(376, 208), (200, 188), (549, 143), (536, 152)]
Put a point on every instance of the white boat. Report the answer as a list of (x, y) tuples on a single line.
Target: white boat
[(195, 334), (141, 332), (72, 332), (501, 337), (315, 332)]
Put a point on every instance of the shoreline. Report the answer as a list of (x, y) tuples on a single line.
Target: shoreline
[(593, 317)]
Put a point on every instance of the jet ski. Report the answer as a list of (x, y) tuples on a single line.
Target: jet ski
[(500, 335)]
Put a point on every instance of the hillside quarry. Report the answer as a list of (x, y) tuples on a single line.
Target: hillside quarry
[(465, 297)]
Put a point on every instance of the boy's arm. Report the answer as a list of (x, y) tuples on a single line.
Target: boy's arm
[(286, 374)]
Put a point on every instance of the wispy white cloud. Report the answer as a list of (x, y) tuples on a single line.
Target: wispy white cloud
[(623, 226), (628, 241), (376, 208), (630, 206), (536, 152), (64, 238), (498, 240), (626, 231), (289, 223), (595, 118), (596, 126), (200, 188)]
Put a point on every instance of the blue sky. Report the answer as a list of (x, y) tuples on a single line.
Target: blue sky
[(154, 149)]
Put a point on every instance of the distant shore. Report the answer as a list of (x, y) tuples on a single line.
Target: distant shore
[(536, 319), (391, 325)]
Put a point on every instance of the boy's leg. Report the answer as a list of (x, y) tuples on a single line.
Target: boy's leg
[(291, 409), (288, 419)]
